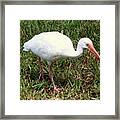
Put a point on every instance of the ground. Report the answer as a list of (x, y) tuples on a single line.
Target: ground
[(79, 78)]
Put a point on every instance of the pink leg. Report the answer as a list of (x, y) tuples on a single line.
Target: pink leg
[(51, 77), (41, 74)]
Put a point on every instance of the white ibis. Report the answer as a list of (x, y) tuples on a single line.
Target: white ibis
[(52, 45)]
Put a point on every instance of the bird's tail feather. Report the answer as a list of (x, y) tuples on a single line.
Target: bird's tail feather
[(26, 47)]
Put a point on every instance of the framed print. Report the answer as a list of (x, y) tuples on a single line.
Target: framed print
[(60, 59)]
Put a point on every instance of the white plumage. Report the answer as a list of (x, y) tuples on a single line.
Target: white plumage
[(51, 45)]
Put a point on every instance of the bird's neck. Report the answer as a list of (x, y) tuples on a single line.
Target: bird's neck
[(79, 50), (76, 52)]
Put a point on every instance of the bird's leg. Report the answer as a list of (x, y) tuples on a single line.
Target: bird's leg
[(51, 77), (41, 74)]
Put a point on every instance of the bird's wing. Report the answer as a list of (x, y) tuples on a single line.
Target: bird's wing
[(50, 44), (56, 40)]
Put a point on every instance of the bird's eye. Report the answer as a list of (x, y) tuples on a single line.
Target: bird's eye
[(87, 44)]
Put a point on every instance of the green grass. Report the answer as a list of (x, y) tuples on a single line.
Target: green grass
[(79, 77)]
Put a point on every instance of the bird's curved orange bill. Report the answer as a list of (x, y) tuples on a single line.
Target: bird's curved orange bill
[(93, 50)]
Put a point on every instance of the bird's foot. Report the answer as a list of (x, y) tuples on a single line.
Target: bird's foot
[(56, 89)]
